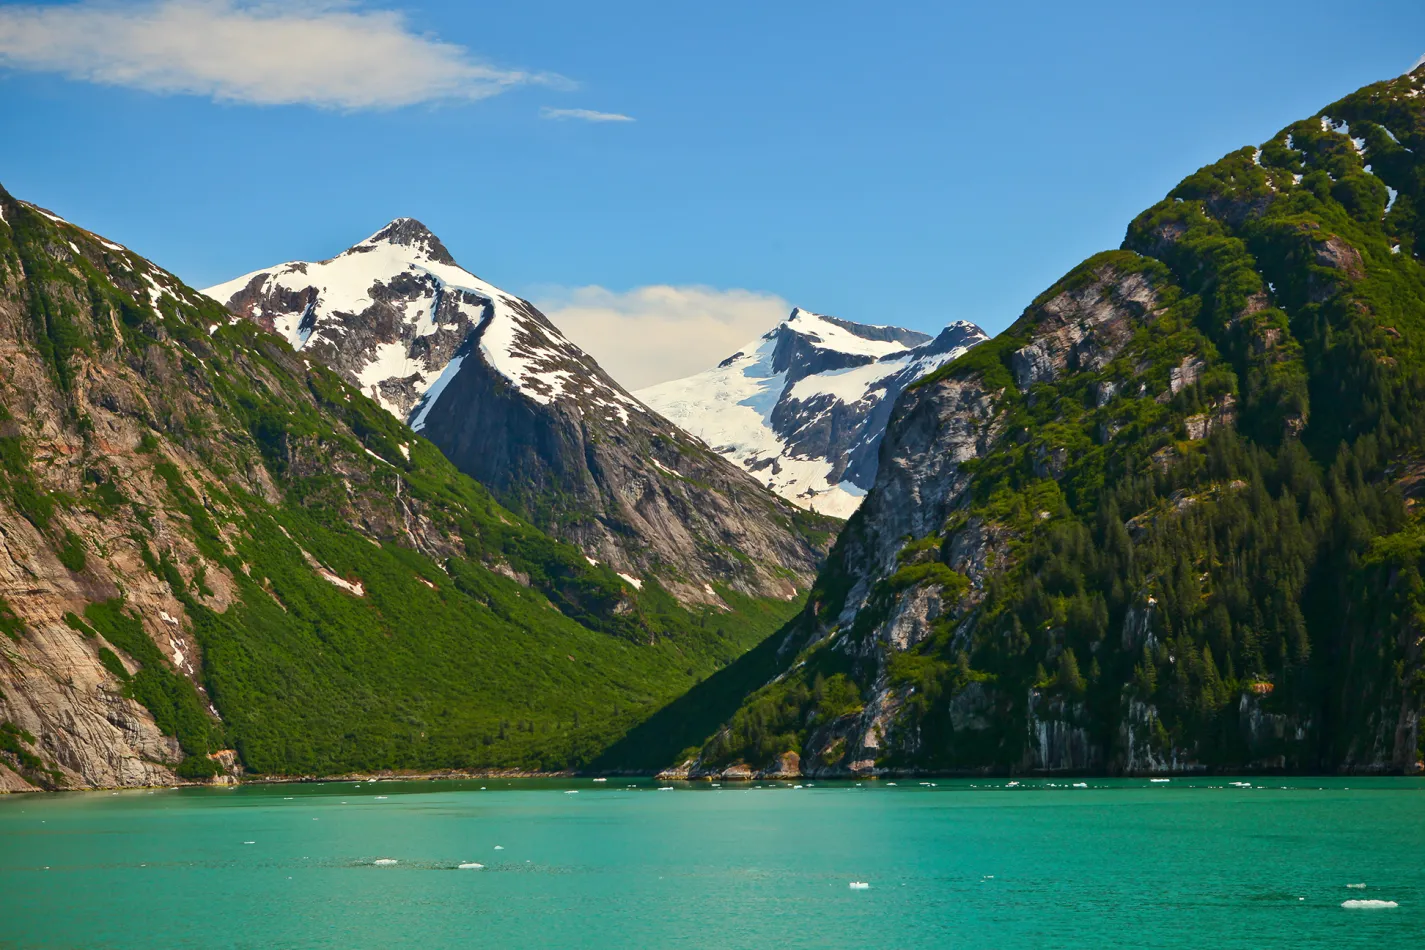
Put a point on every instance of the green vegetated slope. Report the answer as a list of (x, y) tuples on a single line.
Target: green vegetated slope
[(357, 603), (1187, 534)]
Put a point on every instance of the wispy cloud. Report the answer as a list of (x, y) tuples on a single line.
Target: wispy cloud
[(652, 334), (586, 115), (327, 53), (1418, 63)]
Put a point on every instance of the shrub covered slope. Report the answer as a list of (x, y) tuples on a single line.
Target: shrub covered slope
[(1168, 519)]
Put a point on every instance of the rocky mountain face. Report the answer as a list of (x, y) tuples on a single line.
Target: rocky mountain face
[(487, 378), (1168, 520), (217, 556), (803, 408)]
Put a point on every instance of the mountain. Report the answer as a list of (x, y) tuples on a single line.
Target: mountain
[(514, 404), (803, 407), (218, 557), (1168, 520)]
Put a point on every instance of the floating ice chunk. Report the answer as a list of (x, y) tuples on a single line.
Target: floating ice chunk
[(254, 842), (1081, 785), (601, 780), (1159, 780), (499, 847), (669, 788), (1356, 887), (471, 866), (572, 791), (860, 886), (1367, 905), (381, 797), (384, 862)]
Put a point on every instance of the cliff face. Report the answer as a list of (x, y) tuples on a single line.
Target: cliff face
[(803, 408), (1164, 522), (218, 557), (487, 378)]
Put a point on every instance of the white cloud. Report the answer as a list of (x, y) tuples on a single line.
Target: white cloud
[(329, 53), (652, 334), (588, 115)]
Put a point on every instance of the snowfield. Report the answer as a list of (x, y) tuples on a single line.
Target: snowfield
[(754, 406)]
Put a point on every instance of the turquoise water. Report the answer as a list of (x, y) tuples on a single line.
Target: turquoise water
[(1120, 863)]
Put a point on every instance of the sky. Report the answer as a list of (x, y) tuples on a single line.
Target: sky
[(666, 180)]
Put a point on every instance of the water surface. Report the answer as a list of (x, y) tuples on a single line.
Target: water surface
[(622, 864)]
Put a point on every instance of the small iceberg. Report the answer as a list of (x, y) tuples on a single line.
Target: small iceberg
[(254, 842), (1356, 887), (1081, 785), (669, 788), (384, 862), (499, 847), (471, 866), (1368, 905), (601, 780), (860, 886), (381, 797), (572, 791), (1159, 781)]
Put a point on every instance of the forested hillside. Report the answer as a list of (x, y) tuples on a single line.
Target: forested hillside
[(1168, 520), (217, 555)]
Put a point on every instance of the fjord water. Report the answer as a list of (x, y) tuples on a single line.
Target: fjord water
[(957, 864)]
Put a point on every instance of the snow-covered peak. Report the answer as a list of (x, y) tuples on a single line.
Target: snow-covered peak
[(410, 234), (399, 317), (802, 408), (843, 336)]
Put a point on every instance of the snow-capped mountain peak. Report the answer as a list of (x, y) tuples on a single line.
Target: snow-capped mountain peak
[(487, 379), (408, 233), (398, 316), (802, 408)]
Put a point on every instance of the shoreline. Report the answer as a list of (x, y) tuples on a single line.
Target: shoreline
[(455, 775)]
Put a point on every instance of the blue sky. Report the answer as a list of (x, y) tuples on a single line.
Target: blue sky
[(907, 163)]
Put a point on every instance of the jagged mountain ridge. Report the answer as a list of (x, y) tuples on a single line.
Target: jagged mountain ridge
[(803, 407), (217, 556), (1168, 521), (487, 378)]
